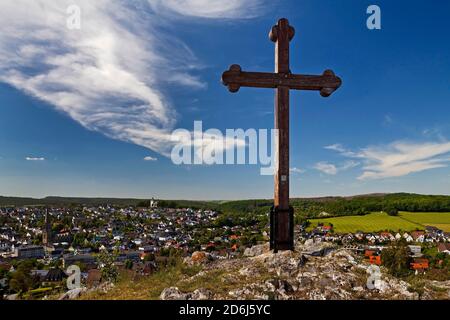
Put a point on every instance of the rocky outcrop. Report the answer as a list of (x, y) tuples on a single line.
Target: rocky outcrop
[(317, 248), (79, 292), (315, 271), (72, 294), (172, 293)]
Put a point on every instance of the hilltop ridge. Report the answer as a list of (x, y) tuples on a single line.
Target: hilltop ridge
[(260, 274)]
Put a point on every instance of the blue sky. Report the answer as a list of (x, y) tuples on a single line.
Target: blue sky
[(81, 110)]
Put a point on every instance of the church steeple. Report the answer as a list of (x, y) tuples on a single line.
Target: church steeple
[(47, 233)]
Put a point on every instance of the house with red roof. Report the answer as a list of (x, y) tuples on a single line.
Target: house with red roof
[(444, 248), (420, 264)]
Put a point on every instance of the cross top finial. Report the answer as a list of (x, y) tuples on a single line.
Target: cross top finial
[(282, 28)]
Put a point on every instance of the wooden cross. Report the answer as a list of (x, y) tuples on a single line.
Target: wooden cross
[(281, 222)]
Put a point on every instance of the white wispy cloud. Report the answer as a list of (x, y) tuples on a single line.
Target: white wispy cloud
[(297, 170), (350, 164), (327, 168), (340, 148), (150, 158), (398, 158), (35, 159), (333, 169), (335, 147), (208, 8), (109, 75)]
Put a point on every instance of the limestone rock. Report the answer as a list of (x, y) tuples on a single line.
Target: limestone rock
[(339, 274), (257, 250), (201, 294), (12, 297), (249, 271), (72, 294), (172, 293)]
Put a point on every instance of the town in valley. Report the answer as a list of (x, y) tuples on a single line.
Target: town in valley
[(116, 243)]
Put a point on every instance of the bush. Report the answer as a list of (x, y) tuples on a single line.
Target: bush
[(22, 280), (393, 212), (397, 259), (417, 286), (128, 264), (106, 263)]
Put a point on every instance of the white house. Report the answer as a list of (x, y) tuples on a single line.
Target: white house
[(408, 237)]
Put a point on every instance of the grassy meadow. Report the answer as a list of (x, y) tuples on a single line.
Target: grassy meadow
[(405, 221), (440, 220)]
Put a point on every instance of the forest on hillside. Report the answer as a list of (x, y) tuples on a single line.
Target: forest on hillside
[(334, 206), (304, 207)]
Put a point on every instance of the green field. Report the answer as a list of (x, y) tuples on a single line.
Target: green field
[(437, 219), (406, 221)]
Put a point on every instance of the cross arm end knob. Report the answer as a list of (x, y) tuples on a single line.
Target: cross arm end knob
[(228, 76), (327, 91)]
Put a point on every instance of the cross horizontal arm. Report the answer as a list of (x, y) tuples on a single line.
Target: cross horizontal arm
[(235, 78)]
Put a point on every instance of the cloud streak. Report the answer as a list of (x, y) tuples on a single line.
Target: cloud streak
[(212, 9), (327, 168), (332, 169), (398, 158), (296, 170)]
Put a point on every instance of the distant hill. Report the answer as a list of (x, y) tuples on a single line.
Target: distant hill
[(307, 207), (68, 201), (59, 201)]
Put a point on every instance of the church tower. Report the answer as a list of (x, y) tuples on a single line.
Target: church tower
[(47, 233)]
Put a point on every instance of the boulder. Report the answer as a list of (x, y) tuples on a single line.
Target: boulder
[(172, 293), (257, 250), (72, 294), (280, 259), (317, 249), (201, 294), (12, 297), (198, 257)]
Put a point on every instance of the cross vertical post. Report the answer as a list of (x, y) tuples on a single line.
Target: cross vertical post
[(282, 35), (282, 80), (281, 231)]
